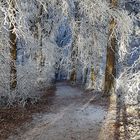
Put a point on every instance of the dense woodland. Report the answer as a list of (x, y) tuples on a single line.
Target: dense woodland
[(94, 44)]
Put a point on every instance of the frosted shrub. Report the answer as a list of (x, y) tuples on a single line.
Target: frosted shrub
[(128, 84)]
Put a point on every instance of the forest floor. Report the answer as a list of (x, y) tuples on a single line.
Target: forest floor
[(69, 113)]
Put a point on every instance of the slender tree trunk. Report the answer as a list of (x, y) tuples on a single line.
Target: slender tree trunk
[(40, 58), (110, 72), (13, 51), (92, 78), (85, 75), (74, 54)]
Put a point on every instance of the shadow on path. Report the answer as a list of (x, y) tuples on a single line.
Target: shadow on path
[(75, 115)]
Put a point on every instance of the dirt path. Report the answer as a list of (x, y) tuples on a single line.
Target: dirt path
[(73, 117)]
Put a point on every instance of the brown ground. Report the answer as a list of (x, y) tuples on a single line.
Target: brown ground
[(74, 114), (14, 117), (69, 113)]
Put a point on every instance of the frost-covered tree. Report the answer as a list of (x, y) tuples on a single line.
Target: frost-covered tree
[(13, 46), (87, 40), (28, 36), (110, 72)]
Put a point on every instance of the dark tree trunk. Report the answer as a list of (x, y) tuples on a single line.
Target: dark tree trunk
[(74, 54), (13, 51), (110, 72)]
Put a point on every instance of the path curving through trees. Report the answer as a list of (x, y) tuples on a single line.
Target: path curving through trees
[(74, 116)]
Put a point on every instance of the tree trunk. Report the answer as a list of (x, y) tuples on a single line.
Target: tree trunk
[(74, 54), (92, 77), (13, 51), (40, 58), (85, 75), (110, 72)]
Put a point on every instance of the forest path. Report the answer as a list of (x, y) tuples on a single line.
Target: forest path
[(73, 117)]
